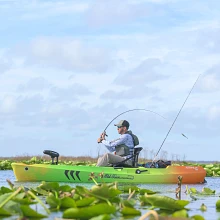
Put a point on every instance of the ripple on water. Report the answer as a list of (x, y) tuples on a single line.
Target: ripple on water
[(4, 175)]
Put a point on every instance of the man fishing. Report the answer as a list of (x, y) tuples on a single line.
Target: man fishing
[(123, 146)]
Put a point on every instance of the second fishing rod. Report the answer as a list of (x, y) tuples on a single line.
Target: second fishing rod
[(175, 120)]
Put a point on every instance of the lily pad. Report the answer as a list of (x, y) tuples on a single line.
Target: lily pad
[(165, 202), (208, 191), (89, 212), (67, 202), (197, 217), (180, 214), (129, 203), (50, 186), (218, 204), (4, 190), (105, 191), (53, 201), (101, 217), (144, 201), (85, 201), (10, 206), (40, 191), (193, 190), (20, 195), (128, 188), (147, 191), (82, 190), (205, 191), (65, 188), (203, 207), (3, 212), (28, 212), (130, 211), (25, 201)]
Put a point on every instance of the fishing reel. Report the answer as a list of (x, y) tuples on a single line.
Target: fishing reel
[(104, 132), (101, 136)]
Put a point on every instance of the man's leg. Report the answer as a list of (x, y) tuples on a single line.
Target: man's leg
[(108, 159)]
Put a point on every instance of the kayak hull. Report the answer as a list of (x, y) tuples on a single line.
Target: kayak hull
[(84, 174)]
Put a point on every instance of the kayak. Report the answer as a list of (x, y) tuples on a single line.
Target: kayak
[(85, 174)]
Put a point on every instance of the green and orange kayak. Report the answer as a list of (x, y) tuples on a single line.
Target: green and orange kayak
[(84, 174)]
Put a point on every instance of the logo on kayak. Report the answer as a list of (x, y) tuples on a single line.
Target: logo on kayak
[(116, 176), (70, 174), (193, 168)]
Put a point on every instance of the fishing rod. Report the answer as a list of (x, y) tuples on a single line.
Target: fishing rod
[(176, 118), (136, 109)]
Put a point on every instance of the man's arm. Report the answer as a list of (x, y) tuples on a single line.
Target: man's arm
[(110, 145)]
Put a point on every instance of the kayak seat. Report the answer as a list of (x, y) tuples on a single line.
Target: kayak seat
[(52, 154), (134, 158)]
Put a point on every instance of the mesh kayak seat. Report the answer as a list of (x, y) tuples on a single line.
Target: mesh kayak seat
[(134, 158)]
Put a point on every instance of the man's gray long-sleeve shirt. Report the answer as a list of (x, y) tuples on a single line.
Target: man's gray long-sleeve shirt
[(125, 139)]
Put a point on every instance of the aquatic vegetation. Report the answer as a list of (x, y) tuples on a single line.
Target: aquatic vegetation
[(205, 191), (218, 205), (101, 201), (5, 164)]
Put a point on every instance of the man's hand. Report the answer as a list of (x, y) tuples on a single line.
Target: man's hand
[(103, 134), (99, 140), (102, 137)]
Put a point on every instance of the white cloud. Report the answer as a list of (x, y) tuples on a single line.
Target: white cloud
[(28, 10), (72, 93), (214, 112), (8, 104), (5, 62), (102, 13), (210, 80), (209, 83), (134, 92), (34, 84), (30, 104), (148, 70), (69, 54)]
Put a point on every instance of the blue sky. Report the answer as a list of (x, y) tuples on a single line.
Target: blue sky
[(67, 68)]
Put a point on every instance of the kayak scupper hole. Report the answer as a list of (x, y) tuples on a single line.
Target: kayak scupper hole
[(26, 168)]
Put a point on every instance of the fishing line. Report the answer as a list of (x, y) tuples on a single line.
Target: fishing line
[(176, 118), (136, 109)]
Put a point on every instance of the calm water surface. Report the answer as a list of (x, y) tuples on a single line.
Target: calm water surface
[(164, 189)]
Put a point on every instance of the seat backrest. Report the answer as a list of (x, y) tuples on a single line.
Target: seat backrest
[(134, 159), (137, 151)]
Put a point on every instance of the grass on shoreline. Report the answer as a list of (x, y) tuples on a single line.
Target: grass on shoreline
[(47, 158), (86, 159)]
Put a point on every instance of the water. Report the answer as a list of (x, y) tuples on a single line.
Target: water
[(164, 189)]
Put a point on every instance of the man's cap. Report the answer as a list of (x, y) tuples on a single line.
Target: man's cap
[(123, 123)]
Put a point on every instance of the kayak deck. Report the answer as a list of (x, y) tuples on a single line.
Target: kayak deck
[(83, 174)]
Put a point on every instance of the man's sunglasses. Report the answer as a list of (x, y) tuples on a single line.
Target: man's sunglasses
[(120, 127)]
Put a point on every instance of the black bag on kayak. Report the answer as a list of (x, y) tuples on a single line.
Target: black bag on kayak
[(157, 164), (163, 164)]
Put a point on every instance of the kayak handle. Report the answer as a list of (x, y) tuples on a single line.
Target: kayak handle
[(140, 171)]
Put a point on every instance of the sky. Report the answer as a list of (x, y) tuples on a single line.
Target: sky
[(68, 67)]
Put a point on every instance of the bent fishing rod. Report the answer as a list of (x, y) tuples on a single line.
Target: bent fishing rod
[(176, 118), (136, 109)]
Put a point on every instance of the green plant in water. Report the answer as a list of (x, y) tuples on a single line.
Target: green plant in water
[(102, 201)]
